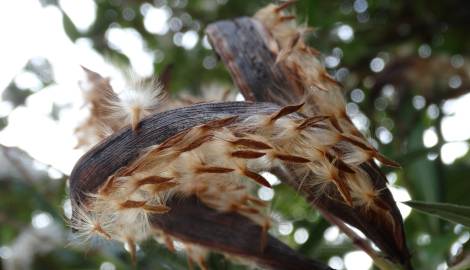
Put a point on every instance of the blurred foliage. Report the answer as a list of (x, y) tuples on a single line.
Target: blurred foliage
[(452, 212), (421, 44)]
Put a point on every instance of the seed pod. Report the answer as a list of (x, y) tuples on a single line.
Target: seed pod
[(189, 220)]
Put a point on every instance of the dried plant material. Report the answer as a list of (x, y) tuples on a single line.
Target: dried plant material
[(216, 153), (178, 155), (322, 95), (204, 161), (111, 111), (346, 183)]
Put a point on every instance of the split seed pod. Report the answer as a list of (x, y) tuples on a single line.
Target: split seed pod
[(120, 189)]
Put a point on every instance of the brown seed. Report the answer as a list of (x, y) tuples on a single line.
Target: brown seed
[(164, 186), (319, 86), (312, 121), (153, 180), (285, 111), (247, 154), (213, 169), (98, 229), (252, 144), (292, 158), (310, 50), (296, 38), (338, 163), (220, 123), (356, 141), (157, 209), (285, 52), (255, 201), (335, 124), (284, 5), (172, 141), (386, 161), (136, 117), (248, 210), (132, 204), (342, 166), (264, 236), (258, 178), (108, 186), (343, 190), (132, 249), (328, 77), (286, 18), (196, 143)]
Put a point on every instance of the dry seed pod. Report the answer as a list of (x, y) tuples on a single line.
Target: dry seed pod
[(116, 191), (131, 178), (279, 67)]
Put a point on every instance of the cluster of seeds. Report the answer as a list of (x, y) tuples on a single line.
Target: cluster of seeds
[(221, 161)]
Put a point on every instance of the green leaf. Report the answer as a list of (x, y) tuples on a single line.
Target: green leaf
[(451, 212), (70, 28)]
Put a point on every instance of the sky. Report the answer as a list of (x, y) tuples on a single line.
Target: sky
[(38, 32)]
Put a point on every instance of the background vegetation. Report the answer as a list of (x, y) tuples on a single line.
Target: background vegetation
[(405, 68)]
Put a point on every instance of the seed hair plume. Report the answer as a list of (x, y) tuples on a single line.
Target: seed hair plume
[(109, 110)]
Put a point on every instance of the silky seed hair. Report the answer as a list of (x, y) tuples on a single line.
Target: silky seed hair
[(110, 110), (221, 162), (139, 98)]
